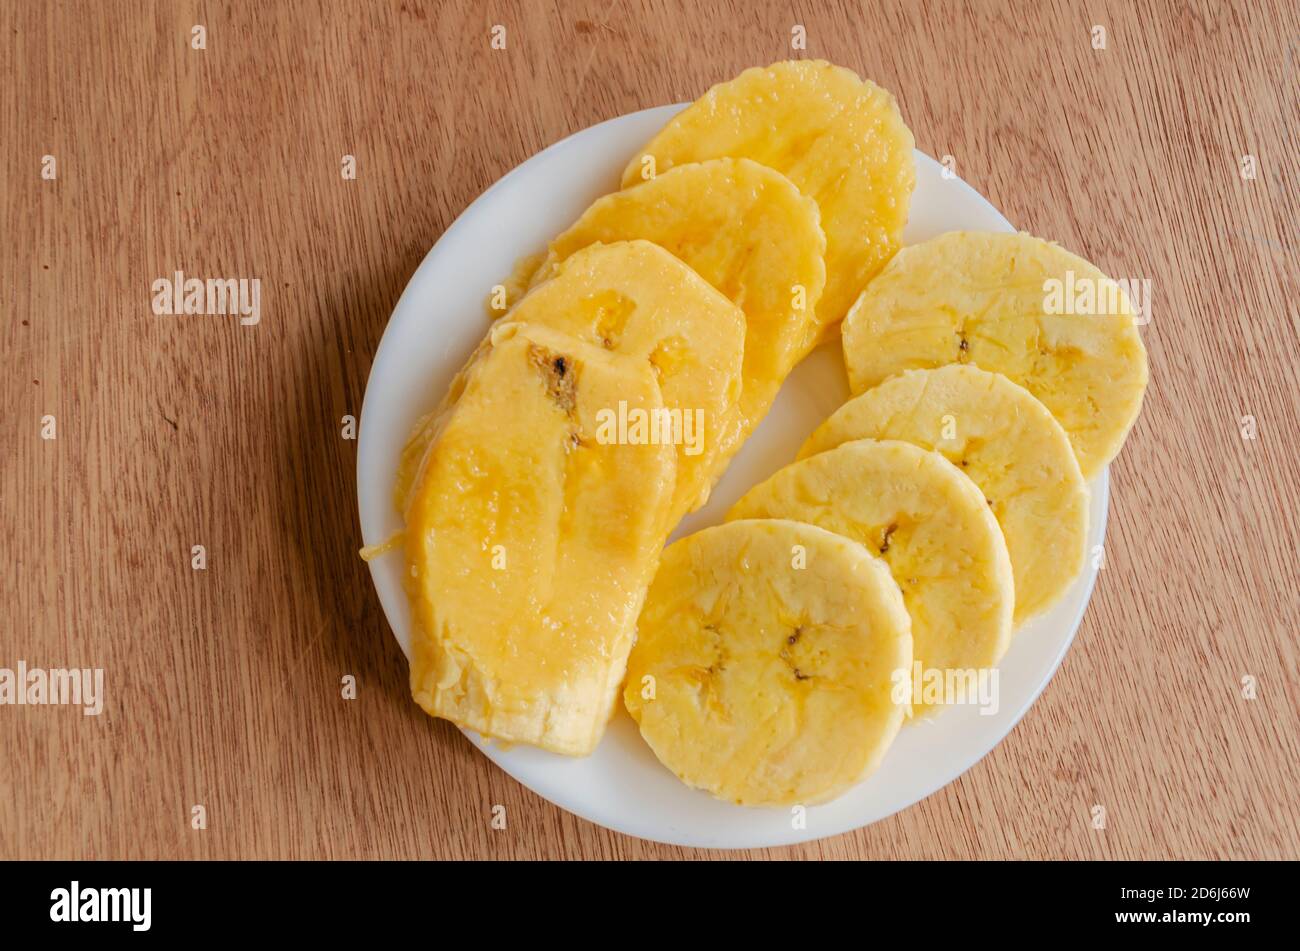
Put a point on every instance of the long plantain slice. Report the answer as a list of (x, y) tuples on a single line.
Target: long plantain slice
[(765, 662), (1007, 443), (530, 542), (984, 299), (928, 522), (747, 231), (839, 138)]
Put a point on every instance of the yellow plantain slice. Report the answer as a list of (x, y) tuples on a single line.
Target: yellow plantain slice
[(765, 662), (984, 299), (530, 542), (839, 138)]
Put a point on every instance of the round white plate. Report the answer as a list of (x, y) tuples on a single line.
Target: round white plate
[(437, 323)]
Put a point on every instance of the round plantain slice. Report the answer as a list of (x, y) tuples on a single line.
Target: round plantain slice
[(765, 665), (747, 231), (1007, 443), (1016, 305), (839, 138), (930, 524)]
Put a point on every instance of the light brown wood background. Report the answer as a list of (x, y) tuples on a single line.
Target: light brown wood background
[(224, 685)]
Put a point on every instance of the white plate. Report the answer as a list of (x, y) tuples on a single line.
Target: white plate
[(436, 324)]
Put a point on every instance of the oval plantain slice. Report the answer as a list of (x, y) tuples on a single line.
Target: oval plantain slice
[(839, 138), (634, 298), (928, 522), (530, 542), (747, 231), (1007, 443), (765, 662), (984, 299)]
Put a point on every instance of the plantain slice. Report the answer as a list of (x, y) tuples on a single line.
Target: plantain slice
[(839, 138), (530, 541), (1000, 302), (765, 662)]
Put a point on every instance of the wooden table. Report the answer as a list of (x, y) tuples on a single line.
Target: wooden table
[(224, 684)]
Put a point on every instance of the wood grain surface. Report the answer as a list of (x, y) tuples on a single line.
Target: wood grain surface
[(223, 685)]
